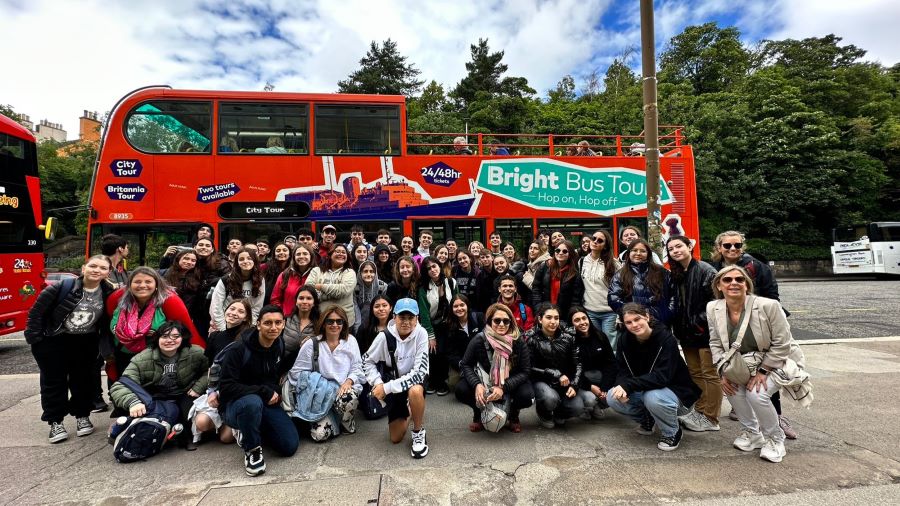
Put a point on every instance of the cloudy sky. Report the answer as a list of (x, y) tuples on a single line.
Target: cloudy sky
[(64, 56)]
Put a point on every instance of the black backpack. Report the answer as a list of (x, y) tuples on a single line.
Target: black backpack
[(371, 407), (146, 436)]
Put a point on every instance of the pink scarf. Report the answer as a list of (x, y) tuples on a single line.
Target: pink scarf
[(502, 346), (133, 326)]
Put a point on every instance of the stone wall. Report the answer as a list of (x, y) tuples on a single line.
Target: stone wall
[(787, 268)]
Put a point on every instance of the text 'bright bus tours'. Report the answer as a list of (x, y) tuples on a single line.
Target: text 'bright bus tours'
[(21, 230), (266, 164)]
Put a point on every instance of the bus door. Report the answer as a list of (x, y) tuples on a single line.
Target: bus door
[(463, 231)]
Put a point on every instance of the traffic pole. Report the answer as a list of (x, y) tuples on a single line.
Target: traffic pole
[(651, 126)]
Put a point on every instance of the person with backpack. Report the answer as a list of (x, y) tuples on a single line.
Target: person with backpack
[(495, 370), (334, 355), (396, 366), (171, 371), (64, 328), (249, 391), (509, 296)]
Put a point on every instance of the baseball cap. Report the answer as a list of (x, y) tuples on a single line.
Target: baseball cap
[(290, 238), (329, 227), (406, 305)]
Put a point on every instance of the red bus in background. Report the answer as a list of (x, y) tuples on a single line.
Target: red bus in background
[(252, 163), (21, 229)]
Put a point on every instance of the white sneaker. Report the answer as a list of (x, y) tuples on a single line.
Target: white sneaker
[(419, 447), (772, 451), (238, 437), (748, 441), (697, 422)]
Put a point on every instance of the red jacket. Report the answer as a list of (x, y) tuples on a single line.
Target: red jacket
[(526, 321), (287, 297)]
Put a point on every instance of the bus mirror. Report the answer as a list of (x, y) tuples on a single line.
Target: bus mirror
[(50, 228)]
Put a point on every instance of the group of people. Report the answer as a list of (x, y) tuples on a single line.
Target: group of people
[(264, 342)]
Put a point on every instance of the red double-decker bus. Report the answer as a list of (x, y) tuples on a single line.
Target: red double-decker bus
[(21, 229), (251, 163)]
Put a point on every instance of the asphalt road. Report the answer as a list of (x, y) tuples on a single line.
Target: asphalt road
[(841, 309)]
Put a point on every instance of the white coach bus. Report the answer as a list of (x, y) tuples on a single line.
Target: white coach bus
[(867, 249)]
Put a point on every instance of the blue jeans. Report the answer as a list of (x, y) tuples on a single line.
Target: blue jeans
[(549, 403), (662, 404), (604, 321), (257, 421)]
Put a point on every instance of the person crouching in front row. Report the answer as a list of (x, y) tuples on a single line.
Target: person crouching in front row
[(403, 392), (249, 392), (653, 386)]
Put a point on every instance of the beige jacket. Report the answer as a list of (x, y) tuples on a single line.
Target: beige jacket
[(770, 329)]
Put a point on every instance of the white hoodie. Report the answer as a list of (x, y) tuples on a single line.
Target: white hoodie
[(412, 359)]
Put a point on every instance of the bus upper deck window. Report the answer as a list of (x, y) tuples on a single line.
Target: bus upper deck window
[(170, 126)]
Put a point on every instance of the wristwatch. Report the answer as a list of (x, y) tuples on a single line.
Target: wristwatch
[(762, 370)]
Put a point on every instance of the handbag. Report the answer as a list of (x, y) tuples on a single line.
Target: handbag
[(493, 414), (733, 366)]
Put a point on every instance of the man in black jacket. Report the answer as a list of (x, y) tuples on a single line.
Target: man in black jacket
[(249, 392), (653, 385)]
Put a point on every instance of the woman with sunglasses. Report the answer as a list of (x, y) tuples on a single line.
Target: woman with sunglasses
[(498, 355), (767, 349), (555, 368), (644, 282), (653, 385), (339, 361), (730, 249), (335, 282), (692, 283), (558, 281), (597, 270)]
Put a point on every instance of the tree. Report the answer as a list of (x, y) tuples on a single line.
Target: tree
[(710, 58), (383, 71), (65, 181), (432, 100), (564, 91), (592, 85)]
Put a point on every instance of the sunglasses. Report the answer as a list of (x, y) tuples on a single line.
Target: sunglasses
[(735, 245), (334, 321), (737, 279), (561, 251), (501, 321), (598, 240)]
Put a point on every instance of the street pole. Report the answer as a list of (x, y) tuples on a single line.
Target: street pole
[(651, 126)]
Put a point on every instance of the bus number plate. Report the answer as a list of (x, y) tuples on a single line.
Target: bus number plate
[(120, 216)]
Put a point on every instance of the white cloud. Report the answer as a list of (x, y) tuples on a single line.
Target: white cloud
[(85, 54)]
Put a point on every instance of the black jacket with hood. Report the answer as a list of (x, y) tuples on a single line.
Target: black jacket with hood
[(260, 373), (654, 364)]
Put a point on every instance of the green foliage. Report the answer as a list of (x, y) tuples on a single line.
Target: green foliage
[(383, 71), (65, 182), (709, 58)]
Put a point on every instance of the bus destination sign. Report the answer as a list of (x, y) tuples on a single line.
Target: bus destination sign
[(271, 211)]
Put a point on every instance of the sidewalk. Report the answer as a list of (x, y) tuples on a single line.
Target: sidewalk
[(848, 452)]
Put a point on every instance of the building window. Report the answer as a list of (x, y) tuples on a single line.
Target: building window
[(274, 129), (162, 126), (358, 130)]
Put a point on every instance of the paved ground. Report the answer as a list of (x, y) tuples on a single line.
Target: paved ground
[(848, 451)]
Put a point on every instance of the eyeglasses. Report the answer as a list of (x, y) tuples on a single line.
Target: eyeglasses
[(735, 245), (334, 321), (170, 337), (598, 239), (561, 251), (737, 279), (501, 321)]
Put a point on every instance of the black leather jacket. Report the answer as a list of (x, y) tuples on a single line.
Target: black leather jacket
[(552, 358), (46, 319), (692, 292)]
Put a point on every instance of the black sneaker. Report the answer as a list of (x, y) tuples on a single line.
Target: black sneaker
[(646, 426), (57, 433), (254, 463), (442, 391), (669, 443), (83, 426)]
